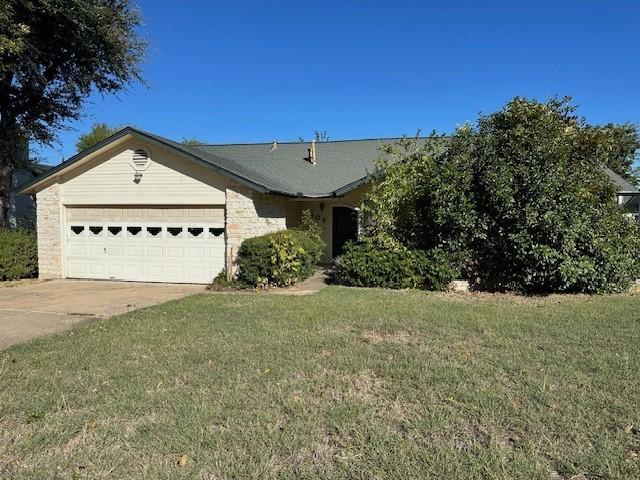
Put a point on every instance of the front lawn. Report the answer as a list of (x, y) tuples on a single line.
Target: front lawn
[(346, 383)]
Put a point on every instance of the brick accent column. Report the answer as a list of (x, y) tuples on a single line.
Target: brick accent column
[(250, 214), (49, 213)]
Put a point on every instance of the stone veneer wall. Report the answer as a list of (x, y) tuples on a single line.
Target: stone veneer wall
[(250, 214), (49, 234)]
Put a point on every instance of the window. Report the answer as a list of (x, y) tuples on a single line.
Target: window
[(194, 232), (114, 230), (174, 231), (216, 232), (140, 158), (154, 231), (95, 230), (133, 231), (77, 229)]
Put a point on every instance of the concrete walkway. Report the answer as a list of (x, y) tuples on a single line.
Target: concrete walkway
[(37, 308), (313, 284)]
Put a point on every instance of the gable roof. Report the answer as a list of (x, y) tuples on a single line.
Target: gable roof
[(341, 165)]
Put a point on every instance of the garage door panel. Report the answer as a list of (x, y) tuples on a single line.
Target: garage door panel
[(115, 269), (76, 268), (195, 252), (175, 252), (175, 246), (95, 250), (135, 251), (154, 270), (77, 250), (175, 271), (135, 270), (195, 271), (114, 251), (96, 269), (157, 252)]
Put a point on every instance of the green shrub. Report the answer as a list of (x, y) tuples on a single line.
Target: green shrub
[(518, 200), (280, 259), (368, 265), (18, 254)]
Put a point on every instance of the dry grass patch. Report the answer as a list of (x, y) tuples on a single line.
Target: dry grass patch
[(365, 386), (321, 456), (401, 337)]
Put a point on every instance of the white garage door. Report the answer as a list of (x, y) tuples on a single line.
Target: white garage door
[(176, 245)]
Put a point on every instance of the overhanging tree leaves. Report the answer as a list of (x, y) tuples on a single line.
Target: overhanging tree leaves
[(53, 54), (616, 148)]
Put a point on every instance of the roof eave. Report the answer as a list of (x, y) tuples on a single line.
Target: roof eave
[(336, 193), (352, 186), (30, 187)]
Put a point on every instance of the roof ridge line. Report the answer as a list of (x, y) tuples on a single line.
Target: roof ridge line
[(301, 143)]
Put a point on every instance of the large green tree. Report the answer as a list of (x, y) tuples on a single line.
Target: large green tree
[(518, 200), (98, 132), (53, 55)]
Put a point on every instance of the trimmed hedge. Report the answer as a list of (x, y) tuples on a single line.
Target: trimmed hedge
[(367, 265), (18, 254), (279, 259)]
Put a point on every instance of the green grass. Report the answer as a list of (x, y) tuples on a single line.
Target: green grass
[(344, 384)]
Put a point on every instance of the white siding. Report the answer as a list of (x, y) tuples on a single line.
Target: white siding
[(168, 179)]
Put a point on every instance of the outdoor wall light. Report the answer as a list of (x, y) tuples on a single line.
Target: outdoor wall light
[(137, 177)]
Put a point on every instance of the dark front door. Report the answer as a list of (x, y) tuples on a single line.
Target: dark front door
[(345, 228)]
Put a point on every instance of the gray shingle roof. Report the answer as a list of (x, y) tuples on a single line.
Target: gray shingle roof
[(341, 165), (621, 184), (286, 170)]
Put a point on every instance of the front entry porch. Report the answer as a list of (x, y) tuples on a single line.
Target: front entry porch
[(337, 218)]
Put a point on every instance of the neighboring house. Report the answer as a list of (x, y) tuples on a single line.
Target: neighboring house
[(22, 208), (628, 195), (140, 207)]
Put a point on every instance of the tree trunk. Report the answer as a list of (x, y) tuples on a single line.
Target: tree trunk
[(13, 154)]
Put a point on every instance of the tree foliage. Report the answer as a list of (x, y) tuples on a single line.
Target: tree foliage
[(98, 132), (53, 54), (318, 135), (617, 147), (421, 197), (517, 200), (18, 254), (192, 141)]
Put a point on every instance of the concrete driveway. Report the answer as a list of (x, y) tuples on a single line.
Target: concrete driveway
[(34, 309)]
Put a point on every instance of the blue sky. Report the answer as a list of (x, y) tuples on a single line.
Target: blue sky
[(249, 71)]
